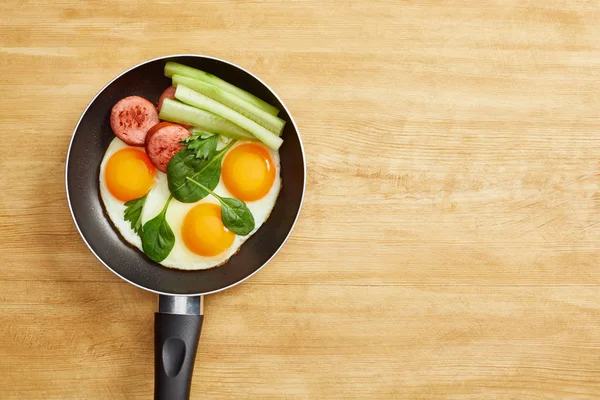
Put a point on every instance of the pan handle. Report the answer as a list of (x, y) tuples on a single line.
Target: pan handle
[(177, 326)]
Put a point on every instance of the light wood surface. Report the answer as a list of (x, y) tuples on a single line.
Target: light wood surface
[(449, 243)]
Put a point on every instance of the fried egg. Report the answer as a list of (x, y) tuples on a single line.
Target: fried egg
[(250, 172)]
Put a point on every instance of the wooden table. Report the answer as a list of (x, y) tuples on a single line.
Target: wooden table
[(448, 246)]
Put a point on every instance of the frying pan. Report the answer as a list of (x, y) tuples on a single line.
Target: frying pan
[(178, 322)]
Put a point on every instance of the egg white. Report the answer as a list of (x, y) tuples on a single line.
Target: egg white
[(181, 257)]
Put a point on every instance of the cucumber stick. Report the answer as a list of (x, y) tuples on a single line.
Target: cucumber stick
[(188, 96), (175, 111), (248, 110), (173, 68)]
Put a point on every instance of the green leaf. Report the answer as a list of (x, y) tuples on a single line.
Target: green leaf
[(203, 147), (185, 165), (133, 213), (157, 237), (236, 216)]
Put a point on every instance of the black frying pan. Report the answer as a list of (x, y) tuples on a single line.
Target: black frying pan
[(179, 319)]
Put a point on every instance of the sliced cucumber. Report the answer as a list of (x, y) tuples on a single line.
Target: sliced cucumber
[(173, 68), (188, 96), (176, 111), (204, 134), (248, 110)]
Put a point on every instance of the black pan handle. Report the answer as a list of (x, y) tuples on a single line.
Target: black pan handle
[(177, 326)]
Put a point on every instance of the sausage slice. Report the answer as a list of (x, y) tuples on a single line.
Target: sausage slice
[(169, 93), (163, 142), (131, 118)]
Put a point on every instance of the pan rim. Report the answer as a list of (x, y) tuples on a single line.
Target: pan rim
[(69, 156)]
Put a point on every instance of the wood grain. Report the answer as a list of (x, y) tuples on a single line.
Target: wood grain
[(447, 248)]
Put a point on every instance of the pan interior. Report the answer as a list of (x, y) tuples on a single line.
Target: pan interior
[(93, 135)]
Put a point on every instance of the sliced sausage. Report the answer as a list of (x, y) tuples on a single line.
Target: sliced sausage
[(169, 93), (131, 118), (163, 142)]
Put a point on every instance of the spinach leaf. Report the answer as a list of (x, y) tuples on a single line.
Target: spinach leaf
[(185, 164), (157, 237), (236, 216), (133, 213), (234, 213), (204, 147)]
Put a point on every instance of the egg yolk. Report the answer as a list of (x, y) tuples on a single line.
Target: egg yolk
[(203, 231), (248, 172), (129, 174)]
